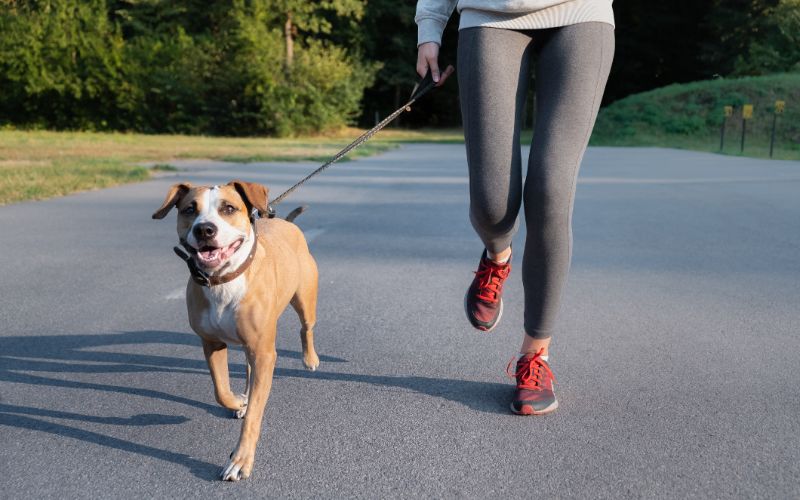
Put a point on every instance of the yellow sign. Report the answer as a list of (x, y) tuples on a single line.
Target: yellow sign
[(747, 111), (728, 111), (779, 107)]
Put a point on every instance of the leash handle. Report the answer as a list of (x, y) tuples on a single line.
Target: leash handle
[(420, 89), (423, 86)]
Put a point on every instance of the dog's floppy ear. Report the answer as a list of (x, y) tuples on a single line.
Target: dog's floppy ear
[(176, 192), (254, 195)]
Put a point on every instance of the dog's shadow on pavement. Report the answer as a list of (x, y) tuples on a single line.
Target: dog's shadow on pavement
[(23, 356), (24, 359), (23, 417)]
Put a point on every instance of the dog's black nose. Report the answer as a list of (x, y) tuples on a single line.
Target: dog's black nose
[(204, 231)]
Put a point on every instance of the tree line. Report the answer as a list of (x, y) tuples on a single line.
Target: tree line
[(283, 67), (232, 67)]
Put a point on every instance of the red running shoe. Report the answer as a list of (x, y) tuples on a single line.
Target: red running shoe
[(484, 300), (534, 395)]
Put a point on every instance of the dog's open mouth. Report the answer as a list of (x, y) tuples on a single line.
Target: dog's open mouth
[(212, 257)]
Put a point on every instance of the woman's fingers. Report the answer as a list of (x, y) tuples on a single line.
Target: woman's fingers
[(434, 65), (449, 70), (428, 57), (422, 64)]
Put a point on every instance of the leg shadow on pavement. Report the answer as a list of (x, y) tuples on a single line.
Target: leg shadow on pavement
[(67, 360), (68, 357), (486, 397), (18, 418), (23, 356)]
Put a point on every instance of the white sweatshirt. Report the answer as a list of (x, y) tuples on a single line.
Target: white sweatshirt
[(432, 15)]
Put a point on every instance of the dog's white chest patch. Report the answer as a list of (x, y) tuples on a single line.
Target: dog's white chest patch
[(219, 319)]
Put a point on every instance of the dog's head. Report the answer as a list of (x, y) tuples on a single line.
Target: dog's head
[(215, 221)]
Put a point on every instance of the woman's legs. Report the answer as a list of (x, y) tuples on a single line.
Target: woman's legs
[(571, 73), (493, 76), (493, 81)]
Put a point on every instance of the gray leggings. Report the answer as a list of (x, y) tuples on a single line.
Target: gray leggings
[(572, 66)]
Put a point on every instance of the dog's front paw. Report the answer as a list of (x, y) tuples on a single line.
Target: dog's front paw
[(240, 413), (311, 360), (238, 467)]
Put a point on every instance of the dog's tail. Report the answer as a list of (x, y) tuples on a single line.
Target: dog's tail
[(294, 213)]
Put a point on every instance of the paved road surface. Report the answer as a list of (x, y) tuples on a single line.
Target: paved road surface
[(678, 356)]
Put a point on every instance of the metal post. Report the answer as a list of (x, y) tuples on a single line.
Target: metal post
[(747, 113), (779, 107), (744, 129), (727, 112), (772, 137)]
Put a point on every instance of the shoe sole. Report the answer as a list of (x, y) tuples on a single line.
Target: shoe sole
[(526, 413), (483, 328)]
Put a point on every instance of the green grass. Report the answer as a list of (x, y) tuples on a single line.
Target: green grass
[(36, 165), (40, 164), (688, 116), (19, 181)]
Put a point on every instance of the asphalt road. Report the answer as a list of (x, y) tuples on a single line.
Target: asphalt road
[(677, 356)]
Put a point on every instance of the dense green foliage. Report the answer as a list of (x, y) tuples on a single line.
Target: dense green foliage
[(694, 112), (58, 62), (753, 37), (657, 44), (283, 67), (180, 65)]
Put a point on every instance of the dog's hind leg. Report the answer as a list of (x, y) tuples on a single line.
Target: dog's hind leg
[(217, 357), (305, 304)]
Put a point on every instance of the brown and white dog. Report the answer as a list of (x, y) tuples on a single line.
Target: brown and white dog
[(275, 268)]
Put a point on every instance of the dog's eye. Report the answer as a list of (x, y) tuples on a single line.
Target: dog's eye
[(188, 210), (227, 209)]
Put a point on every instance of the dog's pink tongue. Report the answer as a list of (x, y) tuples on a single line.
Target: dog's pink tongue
[(225, 253), (209, 255), (216, 256)]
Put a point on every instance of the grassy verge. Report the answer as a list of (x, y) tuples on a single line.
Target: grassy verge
[(21, 180), (39, 164), (689, 116), (755, 147)]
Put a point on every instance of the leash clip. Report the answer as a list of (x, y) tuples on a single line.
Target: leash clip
[(198, 275)]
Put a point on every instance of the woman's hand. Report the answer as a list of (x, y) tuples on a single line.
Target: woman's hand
[(428, 57)]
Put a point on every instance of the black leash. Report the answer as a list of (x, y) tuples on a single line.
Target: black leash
[(202, 278), (420, 89)]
